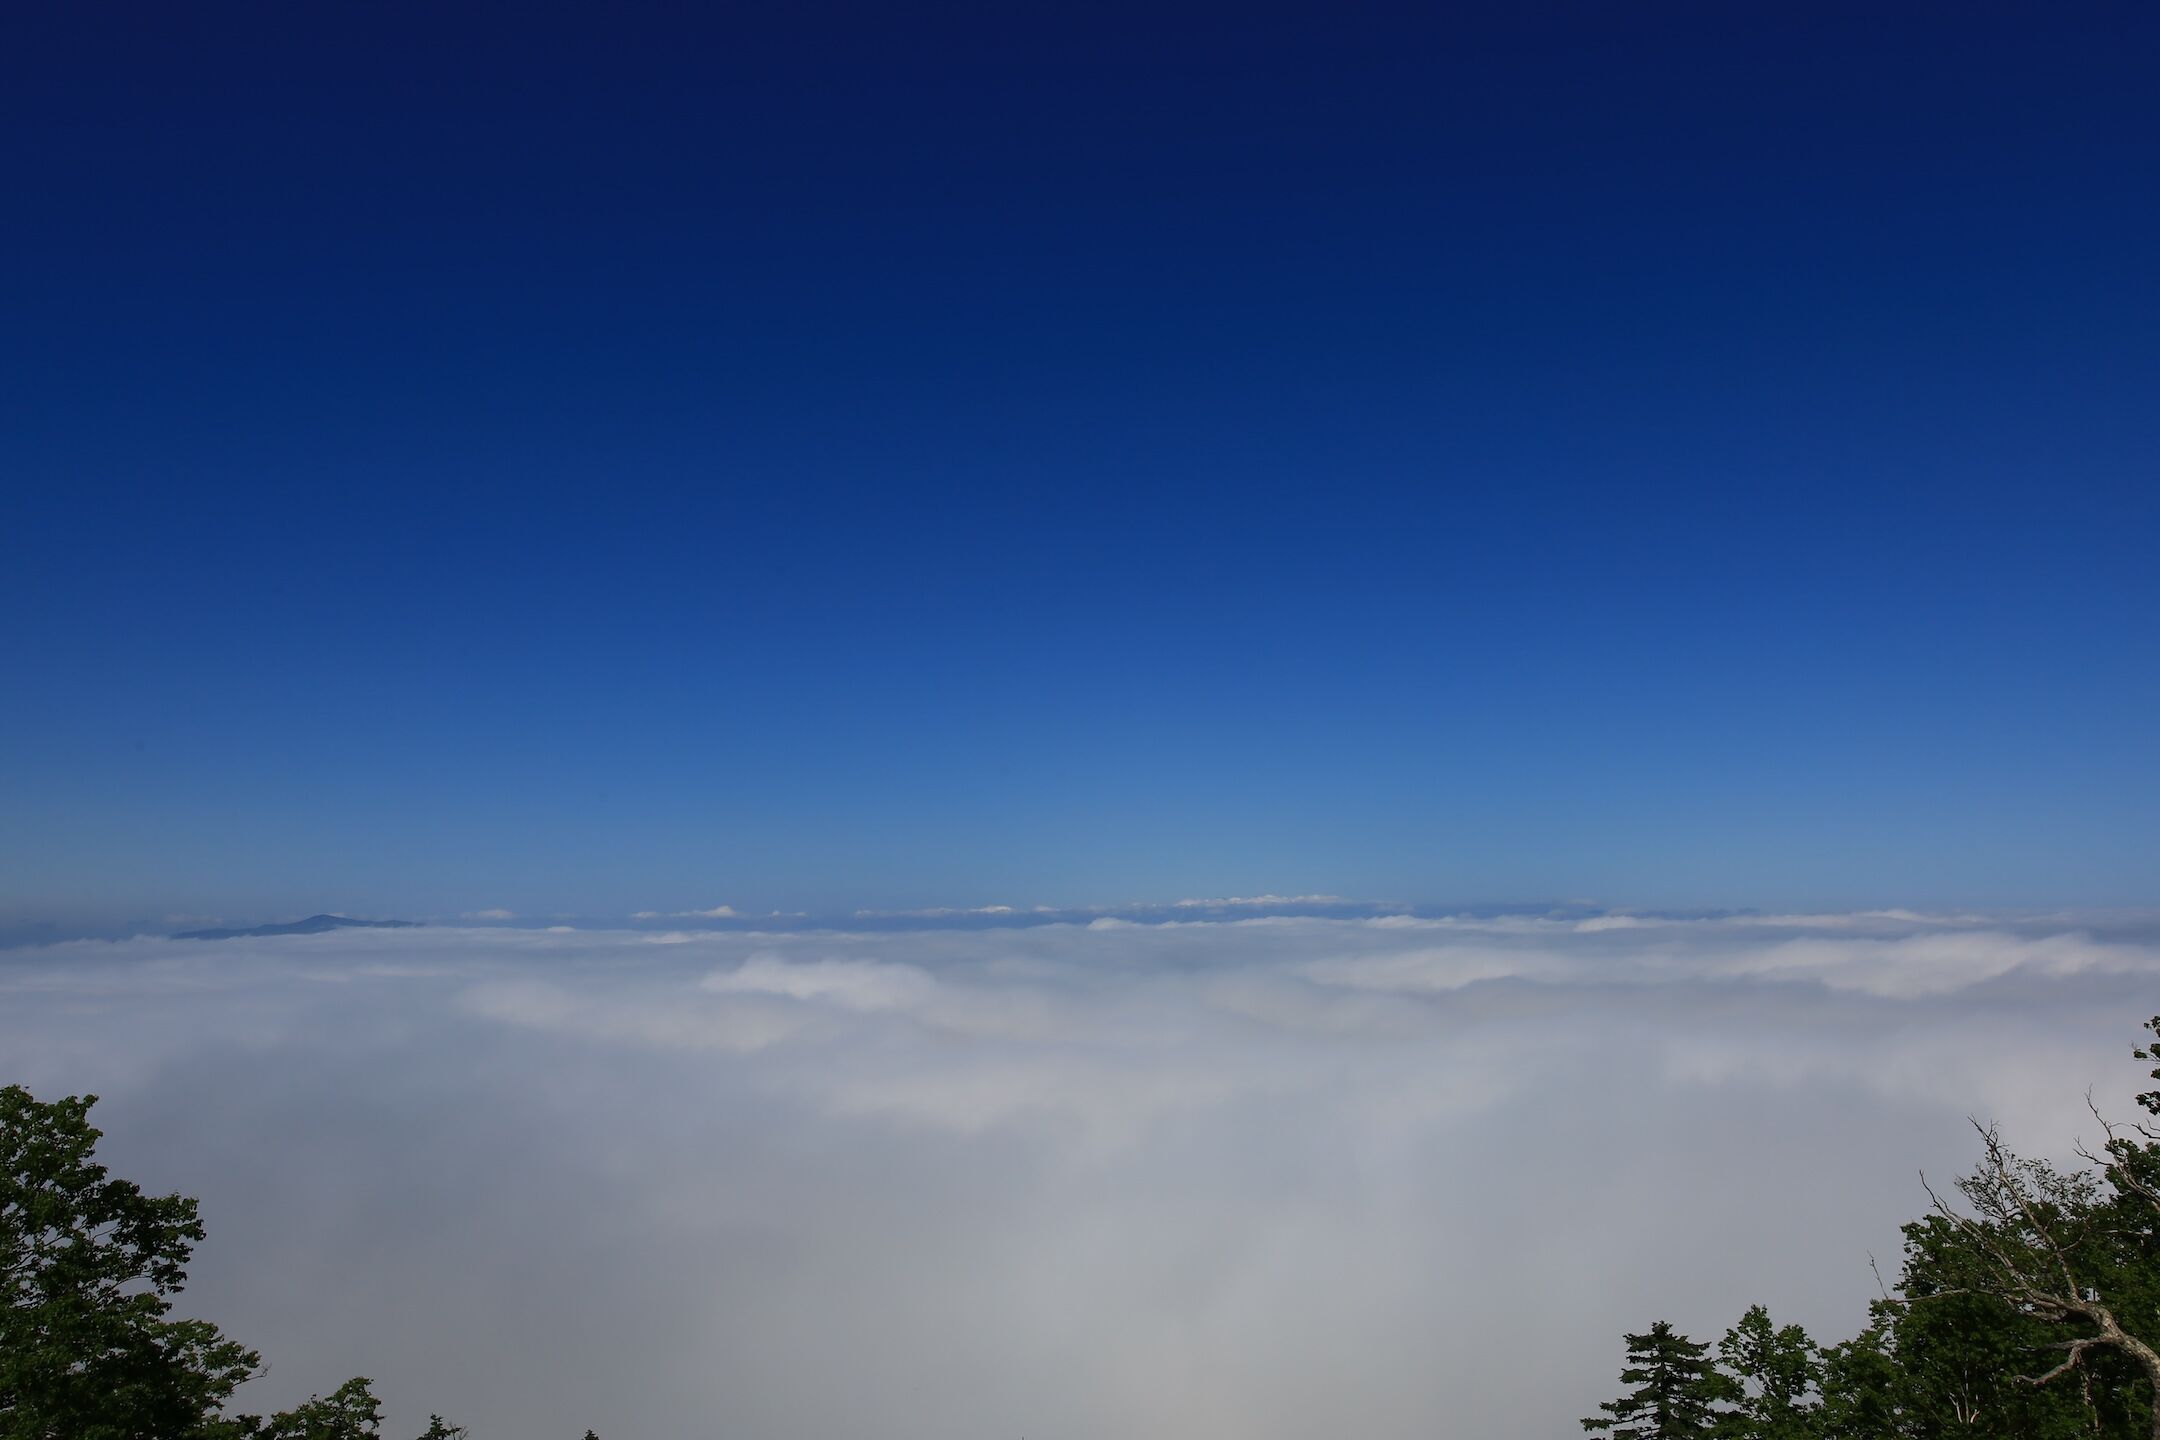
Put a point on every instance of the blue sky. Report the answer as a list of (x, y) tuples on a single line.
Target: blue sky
[(827, 457)]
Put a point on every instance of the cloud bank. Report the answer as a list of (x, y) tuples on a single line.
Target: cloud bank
[(1277, 1175)]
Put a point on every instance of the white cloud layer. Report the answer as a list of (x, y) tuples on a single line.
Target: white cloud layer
[(1210, 1177)]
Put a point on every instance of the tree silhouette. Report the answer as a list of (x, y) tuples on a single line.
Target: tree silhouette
[(1676, 1394)]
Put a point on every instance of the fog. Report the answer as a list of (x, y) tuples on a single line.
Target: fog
[(1286, 1175)]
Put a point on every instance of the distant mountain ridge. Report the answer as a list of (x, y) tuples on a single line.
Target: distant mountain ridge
[(313, 925)]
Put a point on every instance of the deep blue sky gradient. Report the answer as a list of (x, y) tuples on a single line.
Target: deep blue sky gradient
[(817, 456)]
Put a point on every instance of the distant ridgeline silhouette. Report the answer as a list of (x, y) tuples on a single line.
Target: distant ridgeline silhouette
[(313, 925)]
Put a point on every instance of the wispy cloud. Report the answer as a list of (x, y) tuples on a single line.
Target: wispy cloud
[(1134, 909), (939, 912), (492, 914), (851, 984), (1258, 902)]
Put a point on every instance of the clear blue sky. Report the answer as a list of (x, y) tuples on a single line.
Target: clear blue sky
[(815, 455)]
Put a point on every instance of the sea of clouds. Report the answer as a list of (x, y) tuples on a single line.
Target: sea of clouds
[(1210, 1178)]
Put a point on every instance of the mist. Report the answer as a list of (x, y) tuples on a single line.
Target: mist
[(1273, 1176)]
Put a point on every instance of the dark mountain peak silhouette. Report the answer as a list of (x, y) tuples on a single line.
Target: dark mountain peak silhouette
[(313, 925)]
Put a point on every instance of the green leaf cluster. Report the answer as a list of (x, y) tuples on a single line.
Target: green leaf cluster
[(89, 1266), (2028, 1309)]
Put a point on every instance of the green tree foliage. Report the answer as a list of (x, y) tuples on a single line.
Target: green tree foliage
[(1775, 1370), (1972, 1360), (89, 1264), (2026, 1308), (1676, 1394), (1862, 1388), (350, 1412)]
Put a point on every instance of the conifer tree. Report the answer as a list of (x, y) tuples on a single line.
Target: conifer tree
[(1677, 1389)]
